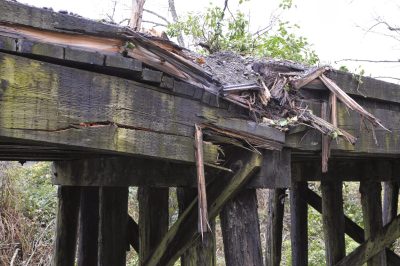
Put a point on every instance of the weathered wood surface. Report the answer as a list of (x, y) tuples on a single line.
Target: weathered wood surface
[(123, 171), (241, 230), (298, 224), (88, 226), (390, 201), (67, 226), (351, 229), (346, 170), (202, 251), (273, 250), (333, 221), (46, 103), (383, 238), (153, 219), (113, 226), (182, 234), (371, 201), (387, 143)]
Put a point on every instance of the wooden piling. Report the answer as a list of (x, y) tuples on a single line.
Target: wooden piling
[(276, 198), (153, 219), (67, 226), (333, 221), (241, 230), (202, 251), (298, 216), (88, 226), (372, 214), (390, 201), (113, 226)]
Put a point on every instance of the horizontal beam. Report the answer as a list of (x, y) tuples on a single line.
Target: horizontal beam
[(124, 171), (345, 170)]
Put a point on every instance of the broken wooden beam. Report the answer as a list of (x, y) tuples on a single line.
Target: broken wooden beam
[(182, 234)]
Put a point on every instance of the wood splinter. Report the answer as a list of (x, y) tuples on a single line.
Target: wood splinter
[(203, 225)]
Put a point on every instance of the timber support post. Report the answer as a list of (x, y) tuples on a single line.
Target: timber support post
[(113, 226), (298, 217), (88, 226), (67, 225), (241, 230), (202, 251), (390, 200), (276, 198), (372, 213), (153, 219), (333, 221)]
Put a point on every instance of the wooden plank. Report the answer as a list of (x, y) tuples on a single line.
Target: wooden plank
[(202, 251), (20, 14), (364, 87), (152, 75), (88, 226), (83, 56), (298, 223), (67, 226), (333, 221), (273, 251), (383, 238), (241, 230), (46, 103), (119, 61), (372, 214), (113, 226), (387, 143), (153, 219), (182, 234), (36, 48)]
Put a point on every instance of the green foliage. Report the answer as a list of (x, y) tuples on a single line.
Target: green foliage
[(214, 30)]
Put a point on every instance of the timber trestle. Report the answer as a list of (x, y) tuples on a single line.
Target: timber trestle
[(112, 118)]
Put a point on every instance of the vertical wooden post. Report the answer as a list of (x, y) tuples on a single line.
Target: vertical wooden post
[(202, 252), (298, 217), (372, 214), (390, 201), (333, 221), (88, 226), (241, 230), (276, 199), (67, 225), (113, 225), (153, 219)]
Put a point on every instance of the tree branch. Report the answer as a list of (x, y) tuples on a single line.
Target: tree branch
[(172, 9), (157, 15), (368, 60), (155, 23)]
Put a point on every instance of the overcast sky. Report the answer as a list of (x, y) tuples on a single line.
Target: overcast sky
[(337, 29)]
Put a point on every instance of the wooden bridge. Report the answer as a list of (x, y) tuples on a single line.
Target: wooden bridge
[(111, 119)]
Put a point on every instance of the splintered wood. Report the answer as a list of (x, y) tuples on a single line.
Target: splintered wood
[(201, 183)]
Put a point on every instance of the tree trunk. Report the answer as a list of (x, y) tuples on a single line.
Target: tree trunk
[(175, 18), (241, 230), (137, 14)]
